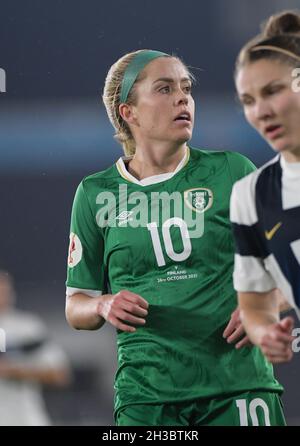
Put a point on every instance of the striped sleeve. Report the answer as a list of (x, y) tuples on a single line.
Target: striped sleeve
[(250, 274)]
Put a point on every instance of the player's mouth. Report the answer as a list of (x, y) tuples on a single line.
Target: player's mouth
[(273, 131), (183, 117)]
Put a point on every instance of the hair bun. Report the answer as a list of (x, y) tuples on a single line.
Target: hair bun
[(287, 22)]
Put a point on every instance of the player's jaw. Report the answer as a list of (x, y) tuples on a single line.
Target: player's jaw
[(274, 133), (182, 123), (282, 136), (280, 128)]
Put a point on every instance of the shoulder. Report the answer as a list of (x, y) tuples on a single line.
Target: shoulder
[(237, 165), (100, 178), (91, 185), (207, 158), (238, 159), (244, 192), (250, 180), (206, 154), (221, 155), (246, 183)]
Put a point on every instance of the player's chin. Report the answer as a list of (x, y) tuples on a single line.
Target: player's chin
[(281, 145), (184, 136)]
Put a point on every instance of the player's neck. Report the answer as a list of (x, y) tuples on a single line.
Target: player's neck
[(291, 157), (146, 163)]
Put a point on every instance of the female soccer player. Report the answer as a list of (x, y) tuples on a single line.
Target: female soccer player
[(151, 252), (265, 206)]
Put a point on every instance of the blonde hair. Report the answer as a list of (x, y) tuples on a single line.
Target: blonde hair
[(279, 40), (111, 99)]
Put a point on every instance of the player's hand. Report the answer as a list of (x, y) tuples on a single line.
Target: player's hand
[(276, 343), (235, 332), (123, 307)]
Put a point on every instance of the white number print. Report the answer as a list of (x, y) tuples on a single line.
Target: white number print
[(255, 403), (177, 257)]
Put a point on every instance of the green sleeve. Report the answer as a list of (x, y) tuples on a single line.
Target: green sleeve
[(86, 250), (239, 165)]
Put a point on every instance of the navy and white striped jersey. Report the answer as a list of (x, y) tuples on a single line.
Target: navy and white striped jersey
[(265, 214)]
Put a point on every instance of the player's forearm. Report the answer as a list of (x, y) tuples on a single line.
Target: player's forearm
[(283, 303), (45, 376), (256, 324), (82, 312), (258, 312)]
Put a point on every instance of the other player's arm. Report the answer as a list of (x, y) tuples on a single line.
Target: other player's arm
[(42, 375), (255, 286), (235, 331), (90, 313), (283, 303), (260, 317)]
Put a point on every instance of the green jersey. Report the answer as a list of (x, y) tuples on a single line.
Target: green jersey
[(179, 354)]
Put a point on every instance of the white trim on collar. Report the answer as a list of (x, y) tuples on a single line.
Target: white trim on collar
[(120, 164)]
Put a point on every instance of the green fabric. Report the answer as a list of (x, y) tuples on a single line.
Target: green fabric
[(246, 409), (179, 354)]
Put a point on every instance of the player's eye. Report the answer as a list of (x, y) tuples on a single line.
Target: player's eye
[(187, 89), (246, 100), (165, 89), (273, 89)]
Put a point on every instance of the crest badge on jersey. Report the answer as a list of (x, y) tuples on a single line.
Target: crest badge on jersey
[(75, 250), (199, 199)]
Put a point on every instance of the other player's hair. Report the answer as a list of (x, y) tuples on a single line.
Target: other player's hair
[(111, 98), (279, 40)]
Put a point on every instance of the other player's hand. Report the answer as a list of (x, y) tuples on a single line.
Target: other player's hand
[(276, 343), (235, 332), (123, 307)]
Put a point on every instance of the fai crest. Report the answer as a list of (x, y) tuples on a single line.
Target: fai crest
[(199, 199)]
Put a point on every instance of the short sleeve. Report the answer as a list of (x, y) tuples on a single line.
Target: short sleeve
[(86, 270), (250, 274)]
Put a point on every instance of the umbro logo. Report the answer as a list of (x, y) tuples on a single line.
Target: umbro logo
[(124, 217)]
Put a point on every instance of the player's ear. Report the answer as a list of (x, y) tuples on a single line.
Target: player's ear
[(127, 113)]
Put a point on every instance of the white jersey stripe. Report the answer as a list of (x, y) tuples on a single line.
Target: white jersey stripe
[(92, 293)]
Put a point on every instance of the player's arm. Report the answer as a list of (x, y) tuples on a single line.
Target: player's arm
[(44, 364), (235, 332), (260, 316), (87, 304), (46, 375), (90, 313), (283, 303), (82, 313)]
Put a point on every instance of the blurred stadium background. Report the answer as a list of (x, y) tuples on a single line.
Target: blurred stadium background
[(54, 131)]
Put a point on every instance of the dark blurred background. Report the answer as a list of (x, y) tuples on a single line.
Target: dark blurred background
[(54, 131)]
